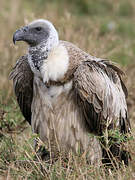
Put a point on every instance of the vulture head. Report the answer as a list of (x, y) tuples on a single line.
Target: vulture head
[(37, 32)]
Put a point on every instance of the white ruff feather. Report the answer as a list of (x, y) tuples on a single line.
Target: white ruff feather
[(56, 65), (55, 91)]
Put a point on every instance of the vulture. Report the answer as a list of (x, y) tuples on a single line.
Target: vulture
[(70, 98)]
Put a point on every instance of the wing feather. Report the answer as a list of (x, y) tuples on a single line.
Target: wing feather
[(23, 86), (102, 95)]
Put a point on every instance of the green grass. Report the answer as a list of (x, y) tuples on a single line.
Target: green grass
[(17, 156), (102, 28)]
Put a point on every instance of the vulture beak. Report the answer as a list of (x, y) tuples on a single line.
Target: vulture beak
[(19, 35)]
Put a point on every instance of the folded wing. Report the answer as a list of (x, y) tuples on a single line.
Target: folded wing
[(102, 95), (23, 86)]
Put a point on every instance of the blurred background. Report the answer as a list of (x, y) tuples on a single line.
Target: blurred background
[(103, 28)]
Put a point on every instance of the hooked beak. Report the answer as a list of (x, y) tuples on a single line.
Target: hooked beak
[(19, 35)]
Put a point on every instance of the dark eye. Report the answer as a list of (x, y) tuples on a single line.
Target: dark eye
[(38, 28)]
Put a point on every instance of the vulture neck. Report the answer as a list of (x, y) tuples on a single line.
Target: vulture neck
[(39, 53)]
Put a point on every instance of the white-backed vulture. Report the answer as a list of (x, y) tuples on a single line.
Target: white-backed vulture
[(67, 94)]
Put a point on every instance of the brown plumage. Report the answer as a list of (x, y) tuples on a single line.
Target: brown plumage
[(88, 98), (23, 86)]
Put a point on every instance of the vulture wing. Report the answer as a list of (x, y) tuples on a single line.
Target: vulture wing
[(23, 86), (102, 94)]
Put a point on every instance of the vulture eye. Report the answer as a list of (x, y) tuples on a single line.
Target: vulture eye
[(38, 28)]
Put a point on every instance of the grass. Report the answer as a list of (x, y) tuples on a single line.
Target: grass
[(102, 28)]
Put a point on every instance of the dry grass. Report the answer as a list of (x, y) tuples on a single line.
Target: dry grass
[(107, 33)]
